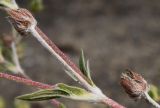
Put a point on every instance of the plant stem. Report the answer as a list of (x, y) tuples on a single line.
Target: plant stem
[(20, 69), (15, 55), (48, 44), (17, 63), (25, 23), (25, 81), (31, 83), (16, 60), (111, 103), (151, 101), (39, 85)]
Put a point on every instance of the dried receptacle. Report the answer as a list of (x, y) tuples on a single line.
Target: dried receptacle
[(134, 84)]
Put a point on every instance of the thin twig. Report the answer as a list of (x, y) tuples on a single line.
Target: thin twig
[(151, 101), (48, 44), (16, 59), (25, 81), (15, 55), (111, 103), (31, 83), (21, 72)]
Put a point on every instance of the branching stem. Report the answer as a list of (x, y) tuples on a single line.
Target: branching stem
[(25, 23), (48, 44)]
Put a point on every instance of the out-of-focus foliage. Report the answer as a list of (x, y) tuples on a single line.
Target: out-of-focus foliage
[(2, 103), (154, 92), (9, 3), (17, 104), (6, 56), (21, 104), (36, 5), (6, 53), (21, 50)]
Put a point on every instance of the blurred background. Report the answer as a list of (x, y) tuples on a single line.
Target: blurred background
[(114, 34)]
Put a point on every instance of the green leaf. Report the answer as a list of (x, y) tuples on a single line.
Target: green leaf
[(72, 90), (9, 4), (85, 69), (76, 93), (61, 90), (82, 64), (41, 95)]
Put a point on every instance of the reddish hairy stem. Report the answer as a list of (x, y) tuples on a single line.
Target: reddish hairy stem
[(65, 60), (25, 81), (30, 83), (25, 23), (112, 103), (59, 52), (106, 101)]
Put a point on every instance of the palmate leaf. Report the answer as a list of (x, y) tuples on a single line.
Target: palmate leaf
[(84, 67), (9, 4), (62, 90)]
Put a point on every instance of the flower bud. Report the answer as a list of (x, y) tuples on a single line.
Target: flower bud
[(134, 84), (22, 20)]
